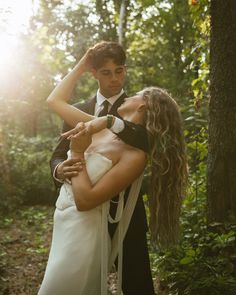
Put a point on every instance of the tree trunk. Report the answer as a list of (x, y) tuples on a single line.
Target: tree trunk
[(221, 182), (121, 22), (5, 173)]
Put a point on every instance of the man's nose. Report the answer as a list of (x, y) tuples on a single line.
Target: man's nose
[(114, 77)]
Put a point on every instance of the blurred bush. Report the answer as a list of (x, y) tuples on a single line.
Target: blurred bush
[(26, 177)]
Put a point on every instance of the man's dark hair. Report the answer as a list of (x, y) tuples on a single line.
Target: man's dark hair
[(105, 50)]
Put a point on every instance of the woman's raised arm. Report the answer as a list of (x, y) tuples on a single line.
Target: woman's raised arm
[(58, 99)]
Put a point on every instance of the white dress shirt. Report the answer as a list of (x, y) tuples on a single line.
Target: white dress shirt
[(100, 99)]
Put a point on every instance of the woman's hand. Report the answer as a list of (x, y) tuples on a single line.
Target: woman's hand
[(85, 62), (79, 142), (90, 127)]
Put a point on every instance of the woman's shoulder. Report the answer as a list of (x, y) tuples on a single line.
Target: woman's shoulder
[(135, 151), (134, 154)]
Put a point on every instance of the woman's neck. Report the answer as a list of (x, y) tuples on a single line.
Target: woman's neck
[(135, 118)]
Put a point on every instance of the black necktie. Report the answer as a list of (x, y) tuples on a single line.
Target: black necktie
[(104, 109)]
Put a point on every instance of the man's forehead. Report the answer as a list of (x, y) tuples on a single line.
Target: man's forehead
[(110, 65)]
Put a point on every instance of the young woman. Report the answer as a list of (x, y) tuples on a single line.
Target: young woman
[(110, 166)]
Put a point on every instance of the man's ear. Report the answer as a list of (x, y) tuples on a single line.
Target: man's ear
[(94, 73)]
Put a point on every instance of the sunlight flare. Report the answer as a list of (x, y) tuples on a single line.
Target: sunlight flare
[(14, 18)]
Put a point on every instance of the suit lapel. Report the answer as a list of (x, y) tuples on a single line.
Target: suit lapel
[(89, 106), (116, 104)]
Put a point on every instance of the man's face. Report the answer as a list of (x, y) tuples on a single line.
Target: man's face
[(110, 77)]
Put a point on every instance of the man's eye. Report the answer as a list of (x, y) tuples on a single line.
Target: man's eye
[(119, 71)]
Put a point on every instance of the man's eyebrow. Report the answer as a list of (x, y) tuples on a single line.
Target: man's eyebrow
[(108, 70)]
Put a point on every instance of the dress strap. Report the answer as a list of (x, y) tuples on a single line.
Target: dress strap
[(105, 238), (119, 210), (104, 248), (123, 216), (117, 241)]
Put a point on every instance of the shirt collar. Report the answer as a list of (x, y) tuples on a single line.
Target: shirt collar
[(112, 99)]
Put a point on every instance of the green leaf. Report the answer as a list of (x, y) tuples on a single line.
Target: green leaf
[(186, 260), (191, 253)]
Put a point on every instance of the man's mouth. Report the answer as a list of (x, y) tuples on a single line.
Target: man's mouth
[(115, 86)]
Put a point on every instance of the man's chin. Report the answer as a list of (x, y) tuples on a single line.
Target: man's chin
[(112, 91), (115, 86), (115, 89)]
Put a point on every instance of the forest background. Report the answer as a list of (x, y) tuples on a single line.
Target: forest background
[(168, 44)]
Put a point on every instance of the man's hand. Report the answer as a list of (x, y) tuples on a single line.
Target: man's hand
[(68, 168)]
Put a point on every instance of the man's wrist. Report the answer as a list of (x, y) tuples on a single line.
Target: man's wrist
[(55, 175)]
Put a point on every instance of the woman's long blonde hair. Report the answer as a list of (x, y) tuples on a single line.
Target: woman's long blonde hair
[(168, 164)]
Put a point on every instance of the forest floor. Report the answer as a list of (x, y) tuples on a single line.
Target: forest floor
[(24, 246)]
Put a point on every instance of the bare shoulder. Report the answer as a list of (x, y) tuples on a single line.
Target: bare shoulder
[(133, 156)]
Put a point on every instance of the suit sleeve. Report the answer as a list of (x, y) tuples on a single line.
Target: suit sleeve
[(134, 135), (60, 153)]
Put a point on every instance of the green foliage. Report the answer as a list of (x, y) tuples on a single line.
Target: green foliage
[(203, 263), (160, 40), (28, 179)]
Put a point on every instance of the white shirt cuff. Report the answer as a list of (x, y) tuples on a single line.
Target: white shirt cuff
[(118, 126), (54, 175)]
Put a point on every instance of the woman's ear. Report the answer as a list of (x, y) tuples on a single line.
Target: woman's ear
[(142, 107), (142, 112)]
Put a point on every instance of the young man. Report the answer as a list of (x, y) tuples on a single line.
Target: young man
[(108, 68)]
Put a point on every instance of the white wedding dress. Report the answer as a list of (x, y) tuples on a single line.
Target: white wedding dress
[(79, 257), (74, 264)]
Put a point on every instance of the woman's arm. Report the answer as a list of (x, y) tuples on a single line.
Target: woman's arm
[(120, 176), (57, 100), (95, 125)]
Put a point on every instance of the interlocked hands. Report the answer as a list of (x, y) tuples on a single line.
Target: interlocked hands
[(80, 138)]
